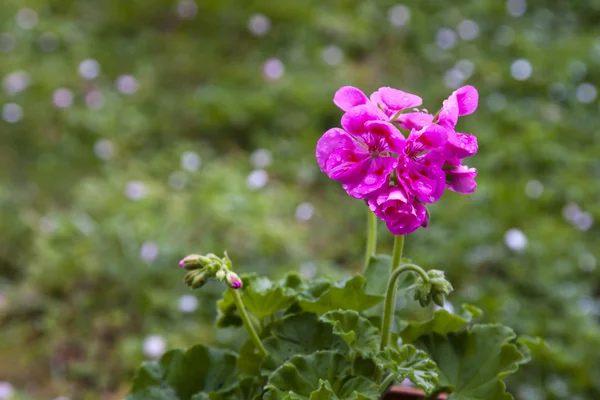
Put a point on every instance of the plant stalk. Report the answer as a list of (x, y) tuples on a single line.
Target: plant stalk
[(371, 236), (386, 382), (247, 323)]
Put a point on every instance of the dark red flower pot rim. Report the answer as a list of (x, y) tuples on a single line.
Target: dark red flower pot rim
[(408, 393)]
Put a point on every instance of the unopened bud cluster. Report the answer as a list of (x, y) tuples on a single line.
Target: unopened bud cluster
[(203, 268), (434, 290)]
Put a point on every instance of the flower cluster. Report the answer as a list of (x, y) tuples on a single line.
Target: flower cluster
[(203, 268), (394, 174)]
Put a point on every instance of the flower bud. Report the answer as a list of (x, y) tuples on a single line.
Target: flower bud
[(220, 275), (199, 280), (194, 261), (438, 298), (233, 281)]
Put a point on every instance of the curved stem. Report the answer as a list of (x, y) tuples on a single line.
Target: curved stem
[(247, 323), (371, 236), (390, 300), (397, 252), (386, 382)]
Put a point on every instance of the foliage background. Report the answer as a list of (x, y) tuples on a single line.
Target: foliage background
[(106, 185)]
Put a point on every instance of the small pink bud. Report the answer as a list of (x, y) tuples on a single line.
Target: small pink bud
[(194, 261), (233, 281)]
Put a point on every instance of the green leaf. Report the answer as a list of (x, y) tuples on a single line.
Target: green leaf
[(324, 374), (357, 332), (180, 374), (472, 362), (378, 273), (300, 334), (249, 360), (441, 322), (227, 312), (261, 297), (247, 389), (347, 296), (324, 392), (409, 363)]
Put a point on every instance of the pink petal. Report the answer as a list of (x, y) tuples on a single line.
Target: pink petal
[(332, 140), (461, 179), (383, 136), (414, 120), (396, 100), (431, 137), (347, 165), (426, 183), (348, 96), (408, 214), (448, 115), (354, 119), (467, 98), (461, 145), (374, 177)]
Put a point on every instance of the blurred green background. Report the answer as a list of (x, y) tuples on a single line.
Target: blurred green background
[(135, 132)]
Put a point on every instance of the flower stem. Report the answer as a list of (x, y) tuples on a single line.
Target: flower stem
[(397, 252), (386, 382), (371, 236), (247, 323), (390, 300)]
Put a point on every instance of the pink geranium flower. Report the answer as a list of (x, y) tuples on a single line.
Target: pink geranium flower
[(462, 101), (362, 156), (420, 165), (402, 214), (390, 101)]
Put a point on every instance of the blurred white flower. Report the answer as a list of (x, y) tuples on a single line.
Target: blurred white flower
[(178, 180), (521, 69), (468, 29), (257, 179), (261, 158), (16, 82), (62, 98), (308, 270), (127, 84), (7, 390), (12, 113), (399, 15), (586, 93), (534, 189), (188, 303), (332, 55), (187, 9), (104, 149), (190, 161), (273, 69), (304, 212), (136, 190), (89, 68), (94, 99), (259, 25), (154, 346), (445, 38), (27, 18), (516, 8), (515, 240), (149, 252)]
